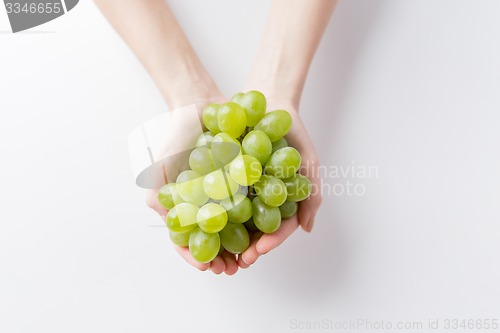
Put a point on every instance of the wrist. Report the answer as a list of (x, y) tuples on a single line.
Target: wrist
[(191, 90), (279, 85), (277, 96)]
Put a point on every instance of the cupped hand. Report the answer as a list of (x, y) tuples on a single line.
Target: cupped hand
[(298, 138), (223, 263)]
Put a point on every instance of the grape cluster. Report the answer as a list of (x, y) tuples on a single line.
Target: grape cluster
[(243, 178)]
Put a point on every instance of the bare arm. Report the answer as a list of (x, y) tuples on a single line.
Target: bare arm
[(292, 35), (153, 33)]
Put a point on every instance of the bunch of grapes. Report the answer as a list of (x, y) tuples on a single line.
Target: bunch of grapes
[(242, 179)]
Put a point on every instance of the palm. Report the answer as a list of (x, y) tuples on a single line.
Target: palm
[(263, 243)]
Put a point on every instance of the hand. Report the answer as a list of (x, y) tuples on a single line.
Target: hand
[(226, 262), (297, 137)]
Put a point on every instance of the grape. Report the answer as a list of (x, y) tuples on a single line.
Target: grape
[(219, 185), (257, 144), (237, 97), (275, 124), (225, 148), (205, 139), (271, 190), (211, 217), (250, 225), (254, 103), (182, 218), (298, 187), (168, 196), (179, 238), (245, 170), (288, 209), (238, 207), (190, 187), (203, 246), (200, 160), (281, 143), (266, 218), (234, 237), (283, 163), (242, 174), (209, 117), (232, 119)]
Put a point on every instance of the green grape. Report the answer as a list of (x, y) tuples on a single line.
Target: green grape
[(298, 187), (211, 217), (209, 117), (257, 144), (225, 148), (238, 207), (283, 163), (234, 237), (237, 97), (203, 246), (179, 238), (221, 249), (288, 209), (281, 143), (232, 119), (271, 190), (254, 103), (168, 196), (200, 160), (182, 218), (275, 124), (266, 218), (245, 170), (205, 139), (219, 185), (190, 187), (250, 225)]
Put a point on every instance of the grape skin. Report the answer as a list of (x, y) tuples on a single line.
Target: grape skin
[(275, 124), (232, 119), (234, 237), (211, 218), (203, 246), (298, 187), (284, 163), (266, 218), (245, 170), (271, 190), (238, 208), (257, 144)]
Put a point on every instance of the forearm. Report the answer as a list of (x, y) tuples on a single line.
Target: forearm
[(152, 32), (292, 35)]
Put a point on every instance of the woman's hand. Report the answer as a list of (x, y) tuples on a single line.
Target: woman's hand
[(225, 262), (299, 139)]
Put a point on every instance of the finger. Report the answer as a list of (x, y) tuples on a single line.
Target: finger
[(269, 242), (231, 264), (304, 214), (186, 255), (241, 263), (251, 254), (310, 225), (217, 265), (308, 209)]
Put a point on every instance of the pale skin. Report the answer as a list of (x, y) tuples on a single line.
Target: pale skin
[(291, 38)]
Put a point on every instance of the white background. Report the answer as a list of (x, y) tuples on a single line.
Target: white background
[(411, 87)]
